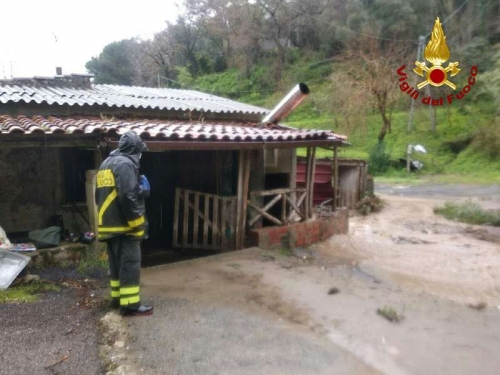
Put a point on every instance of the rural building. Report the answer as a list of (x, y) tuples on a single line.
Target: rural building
[(220, 177)]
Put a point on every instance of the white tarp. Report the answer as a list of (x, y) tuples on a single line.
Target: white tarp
[(4, 241)]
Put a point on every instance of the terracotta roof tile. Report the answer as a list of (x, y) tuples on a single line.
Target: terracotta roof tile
[(159, 128)]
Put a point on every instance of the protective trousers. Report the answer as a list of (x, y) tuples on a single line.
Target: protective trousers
[(124, 255)]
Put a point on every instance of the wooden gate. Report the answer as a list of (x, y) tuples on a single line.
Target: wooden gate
[(294, 203), (204, 221)]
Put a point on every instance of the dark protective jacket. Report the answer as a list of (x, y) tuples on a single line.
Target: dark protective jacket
[(120, 200)]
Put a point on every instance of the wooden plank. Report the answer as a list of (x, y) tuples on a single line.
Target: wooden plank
[(223, 226), (205, 222), (266, 208), (298, 204), (311, 186), (284, 218), (196, 218), (335, 179), (246, 180), (239, 204), (176, 218), (294, 206), (185, 221), (90, 187), (265, 214), (277, 191), (308, 178), (215, 222)]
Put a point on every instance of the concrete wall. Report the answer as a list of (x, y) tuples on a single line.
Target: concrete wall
[(301, 234)]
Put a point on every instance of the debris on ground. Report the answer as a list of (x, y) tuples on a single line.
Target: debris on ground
[(369, 204), (477, 306), (401, 240), (56, 363), (390, 314), (482, 235), (11, 265), (267, 258), (84, 290), (333, 290)]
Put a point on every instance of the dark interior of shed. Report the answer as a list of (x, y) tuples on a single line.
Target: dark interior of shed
[(211, 172)]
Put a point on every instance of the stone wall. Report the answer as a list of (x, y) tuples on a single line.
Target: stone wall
[(30, 188), (301, 234)]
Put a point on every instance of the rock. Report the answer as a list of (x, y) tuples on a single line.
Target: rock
[(31, 278)]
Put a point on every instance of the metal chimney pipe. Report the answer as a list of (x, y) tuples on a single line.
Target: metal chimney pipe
[(59, 71), (287, 105)]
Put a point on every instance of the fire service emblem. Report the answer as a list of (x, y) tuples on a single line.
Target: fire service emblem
[(437, 53)]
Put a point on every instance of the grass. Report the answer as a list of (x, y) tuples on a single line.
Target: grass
[(455, 125), (285, 252), (87, 264), (468, 212), (26, 293), (390, 314)]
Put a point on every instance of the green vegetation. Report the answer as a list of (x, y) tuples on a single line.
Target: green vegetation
[(88, 264), (26, 293), (468, 212), (390, 314), (285, 252)]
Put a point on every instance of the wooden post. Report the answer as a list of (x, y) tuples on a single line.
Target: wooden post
[(284, 218), (185, 221), (90, 186), (239, 200), (215, 222), (308, 177), (311, 182), (246, 178), (335, 178), (176, 217), (205, 222), (196, 218)]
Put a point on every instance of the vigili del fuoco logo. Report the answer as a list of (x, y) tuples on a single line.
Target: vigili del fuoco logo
[(436, 53)]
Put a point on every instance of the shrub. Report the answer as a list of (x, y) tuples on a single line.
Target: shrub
[(379, 160), (468, 212)]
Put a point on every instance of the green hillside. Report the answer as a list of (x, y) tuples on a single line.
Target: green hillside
[(456, 150)]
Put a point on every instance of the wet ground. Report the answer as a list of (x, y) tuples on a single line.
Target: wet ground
[(260, 312), (58, 334)]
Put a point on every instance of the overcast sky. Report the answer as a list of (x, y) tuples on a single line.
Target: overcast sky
[(38, 35)]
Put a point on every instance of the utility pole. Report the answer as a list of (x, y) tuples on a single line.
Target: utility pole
[(421, 41), (159, 81)]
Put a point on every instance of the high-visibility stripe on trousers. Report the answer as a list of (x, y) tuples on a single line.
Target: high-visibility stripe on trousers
[(124, 255)]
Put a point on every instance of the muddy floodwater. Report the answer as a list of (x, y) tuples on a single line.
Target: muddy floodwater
[(315, 311)]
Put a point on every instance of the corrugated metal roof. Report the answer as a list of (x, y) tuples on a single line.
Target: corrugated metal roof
[(159, 129), (124, 97)]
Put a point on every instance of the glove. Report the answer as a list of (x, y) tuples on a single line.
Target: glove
[(144, 184)]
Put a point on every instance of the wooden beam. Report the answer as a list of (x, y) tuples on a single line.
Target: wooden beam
[(196, 218), (215, 222), (265, 209), (265, 214), (205, 222), (90, 186), (311, 182), (284, 218), (335, 178), (276, 191), (185, 221), (246, 180), (239, 203), (294, 206), (308, 179), (176, 217)]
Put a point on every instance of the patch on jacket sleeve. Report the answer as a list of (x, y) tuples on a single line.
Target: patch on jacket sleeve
[(105, 178)]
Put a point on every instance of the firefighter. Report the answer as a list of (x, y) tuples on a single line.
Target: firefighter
[(120, 198)]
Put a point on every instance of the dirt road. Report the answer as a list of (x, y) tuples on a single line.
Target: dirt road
[(258, 312)]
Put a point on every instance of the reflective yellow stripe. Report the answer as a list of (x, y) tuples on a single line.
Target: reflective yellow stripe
[(115, 294), (115, 283), (130, 290), (129, 300), (105, 178), (136, 234), (136, 222), (111, 197), (114, 229)]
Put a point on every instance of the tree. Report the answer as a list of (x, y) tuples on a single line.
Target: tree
[(368, 79), (113, 66)]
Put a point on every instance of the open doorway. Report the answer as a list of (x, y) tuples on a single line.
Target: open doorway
[(211, 172)]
